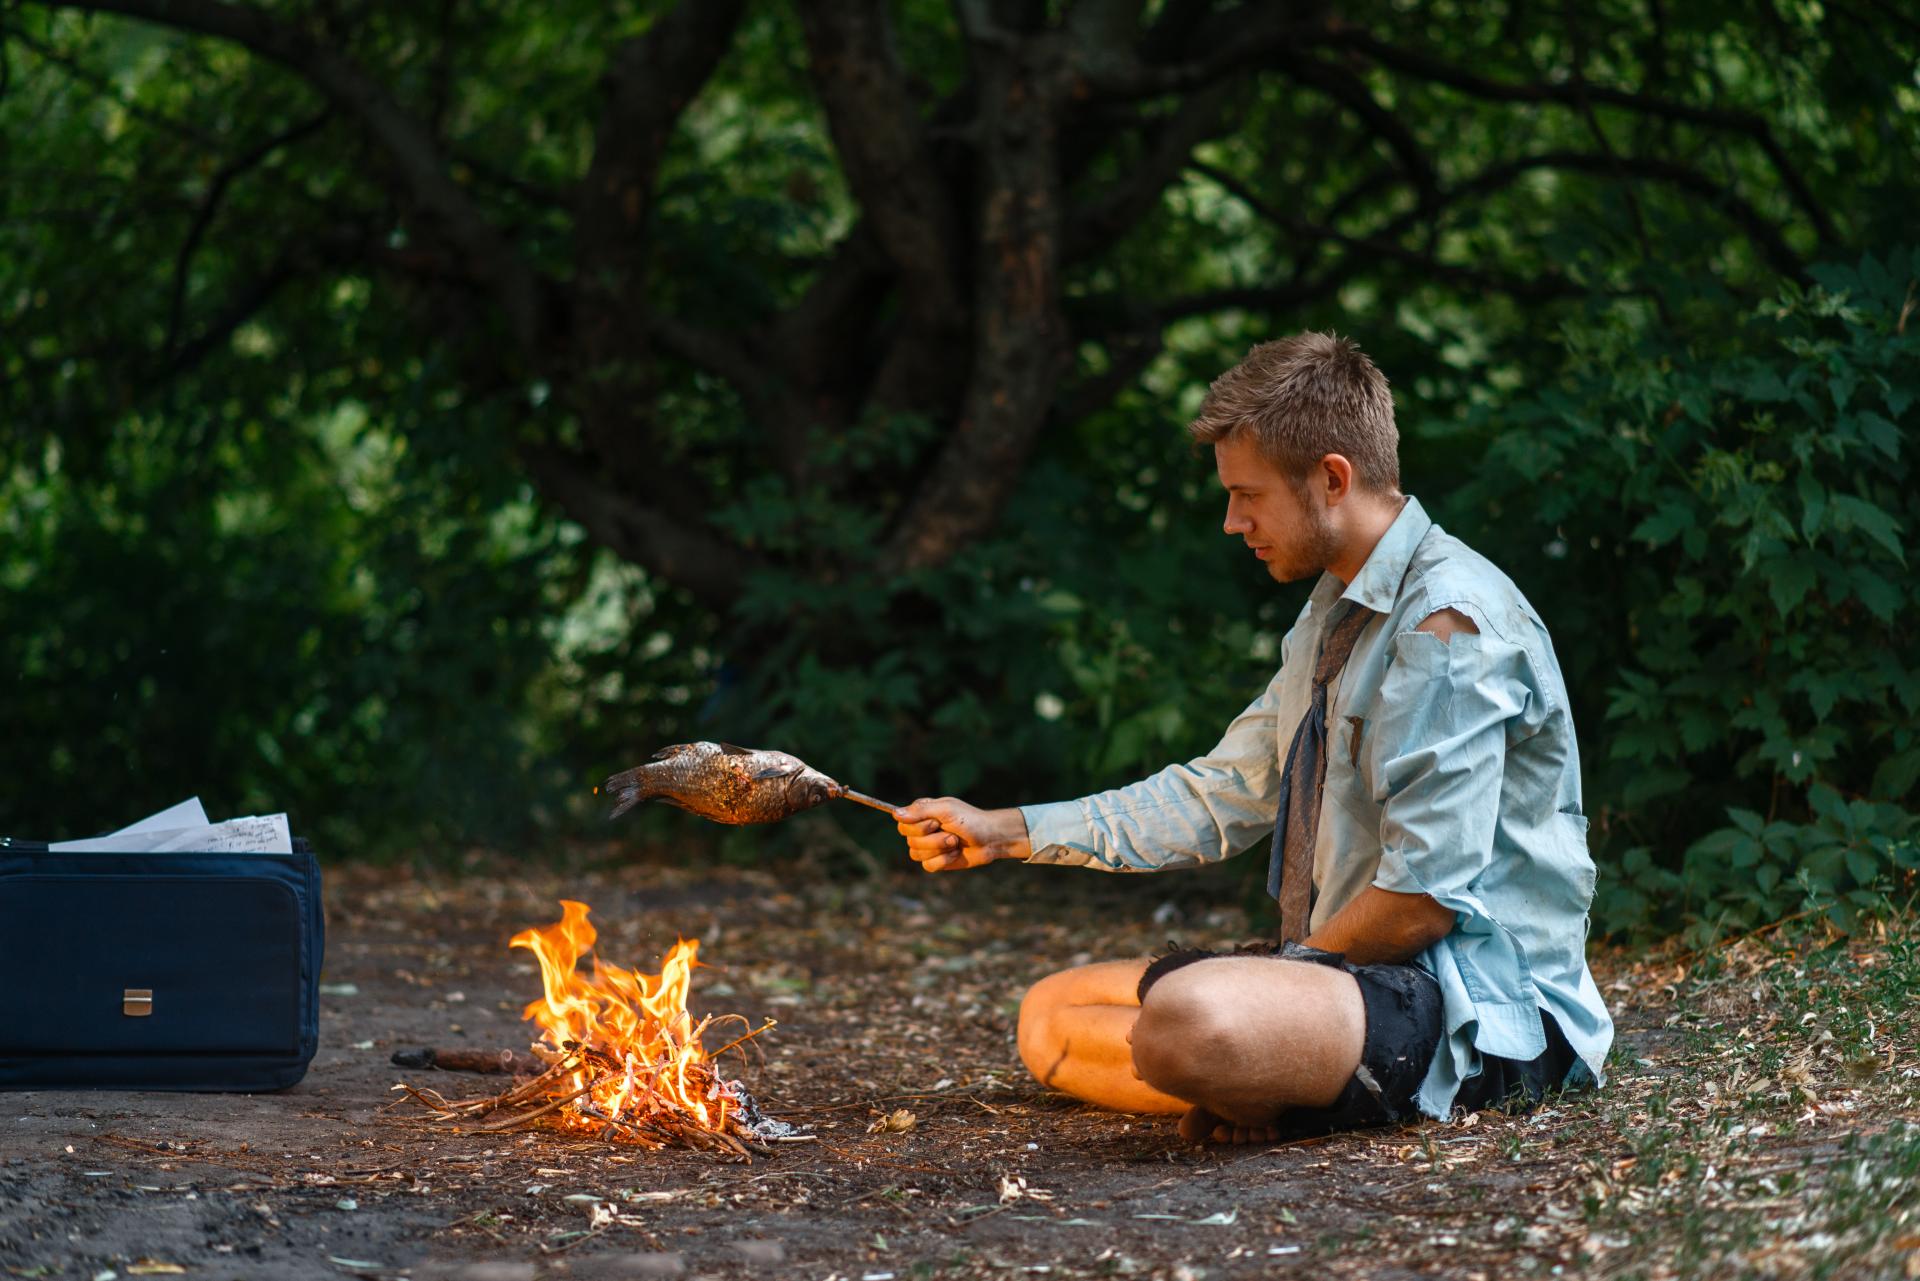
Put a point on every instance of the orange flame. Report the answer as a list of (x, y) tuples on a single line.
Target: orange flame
[(640, 1050)]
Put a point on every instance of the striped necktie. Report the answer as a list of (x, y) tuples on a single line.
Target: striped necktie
[(1290, 874)]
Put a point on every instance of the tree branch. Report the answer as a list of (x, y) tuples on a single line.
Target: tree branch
[(1129, 352), (1347, 89), (1103, 220), (1105, 67), (106, 88), (882, 143), (1269, 298), (1583, 99), (245, 303), (1546, 288), (649, 80), (712, 570), (1019, 335), (821, 340), (210, 205), (406, 142), (613, 382), (1759, 228), (1425, 67)]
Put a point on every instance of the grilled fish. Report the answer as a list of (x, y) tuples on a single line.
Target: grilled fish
[(724, 783)]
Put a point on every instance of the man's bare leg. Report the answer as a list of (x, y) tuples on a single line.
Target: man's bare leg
[(1247, 1037), (1074, 1029)]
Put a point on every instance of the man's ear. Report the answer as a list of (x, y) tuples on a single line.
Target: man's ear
[(1336, 478)]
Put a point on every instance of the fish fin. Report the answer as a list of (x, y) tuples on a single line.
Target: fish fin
[(626, 791), (732, 750), (668, 752), (772, 771)]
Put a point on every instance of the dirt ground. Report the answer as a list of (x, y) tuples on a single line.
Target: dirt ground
[(895, 994)]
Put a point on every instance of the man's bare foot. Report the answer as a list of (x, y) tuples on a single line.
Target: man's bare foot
[(1202, 1126)]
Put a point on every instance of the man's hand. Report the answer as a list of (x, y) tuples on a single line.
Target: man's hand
[(944, 834)]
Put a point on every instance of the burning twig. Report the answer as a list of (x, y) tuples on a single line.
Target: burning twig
[(519, 1119), (744, 1037)]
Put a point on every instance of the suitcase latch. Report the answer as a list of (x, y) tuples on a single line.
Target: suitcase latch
[(136, 1002)]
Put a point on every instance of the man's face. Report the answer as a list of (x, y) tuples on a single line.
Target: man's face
[(1276, 518)]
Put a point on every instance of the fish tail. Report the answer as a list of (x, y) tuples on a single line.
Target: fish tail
[(627, 789)]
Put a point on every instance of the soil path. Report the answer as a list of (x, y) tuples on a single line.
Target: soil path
[(893, 994)]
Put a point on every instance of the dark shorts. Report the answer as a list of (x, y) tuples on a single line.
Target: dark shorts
[(1404, 1032)]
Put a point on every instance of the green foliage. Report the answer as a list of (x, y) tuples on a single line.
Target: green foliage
[(266, 528), (1717, 531), (306, 620)]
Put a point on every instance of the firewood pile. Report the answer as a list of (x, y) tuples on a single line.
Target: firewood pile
[(624, 1059)]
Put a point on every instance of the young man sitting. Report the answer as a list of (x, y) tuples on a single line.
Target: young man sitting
[(1414, 758)]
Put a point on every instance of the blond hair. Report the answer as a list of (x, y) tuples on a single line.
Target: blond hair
[(1305, 397)]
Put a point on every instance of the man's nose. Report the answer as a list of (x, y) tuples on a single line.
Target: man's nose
[(1235, 523)]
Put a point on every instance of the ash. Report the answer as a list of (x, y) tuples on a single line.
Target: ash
[(751, 1117)]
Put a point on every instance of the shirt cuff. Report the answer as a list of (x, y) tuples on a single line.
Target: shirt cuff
[(1059, 833)]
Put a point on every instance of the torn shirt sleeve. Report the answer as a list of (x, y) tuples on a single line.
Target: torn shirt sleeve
[(1440, 744)]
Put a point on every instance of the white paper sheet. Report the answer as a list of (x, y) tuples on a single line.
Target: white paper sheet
[(251, 834), (188, 813), (127, 842)]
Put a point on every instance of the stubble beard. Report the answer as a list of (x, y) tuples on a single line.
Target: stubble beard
[(1318, 553)]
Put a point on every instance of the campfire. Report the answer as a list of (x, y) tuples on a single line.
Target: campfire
[(619, 1055)]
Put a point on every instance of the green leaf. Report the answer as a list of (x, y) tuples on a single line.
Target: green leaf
[(1673, 518), (1823, 689), (1881, 596), (1857, 513), (1841, 380), (1813, 503), (1828, 804), (1759, 383), (1788, 582), (1897, 774), (1879, 433), (1864, 867)]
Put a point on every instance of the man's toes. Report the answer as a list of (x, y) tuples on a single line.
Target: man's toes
[(1201, 1126)]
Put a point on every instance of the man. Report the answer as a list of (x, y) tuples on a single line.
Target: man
[(1415, 760)]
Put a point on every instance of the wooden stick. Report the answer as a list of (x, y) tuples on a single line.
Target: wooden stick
[(553, 1105), (463, 1059), (861, 798)]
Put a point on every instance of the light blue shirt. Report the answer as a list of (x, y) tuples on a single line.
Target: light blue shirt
[(1452, 771)]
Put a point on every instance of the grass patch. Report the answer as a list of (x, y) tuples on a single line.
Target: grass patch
[(1769, 1123)]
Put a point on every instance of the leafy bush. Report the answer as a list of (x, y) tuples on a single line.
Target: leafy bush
[(306, 619), (1717, 530)]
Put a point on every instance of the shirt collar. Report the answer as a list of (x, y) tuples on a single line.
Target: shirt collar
[(1377, 585)]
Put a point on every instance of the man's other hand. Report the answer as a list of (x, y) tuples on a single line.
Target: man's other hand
[(945, 834)]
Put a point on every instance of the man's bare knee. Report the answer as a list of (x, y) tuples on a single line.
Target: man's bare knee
[(1033, 1033), (1184, 1035)]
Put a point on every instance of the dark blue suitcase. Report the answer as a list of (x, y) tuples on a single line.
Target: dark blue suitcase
[(158, 971)]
